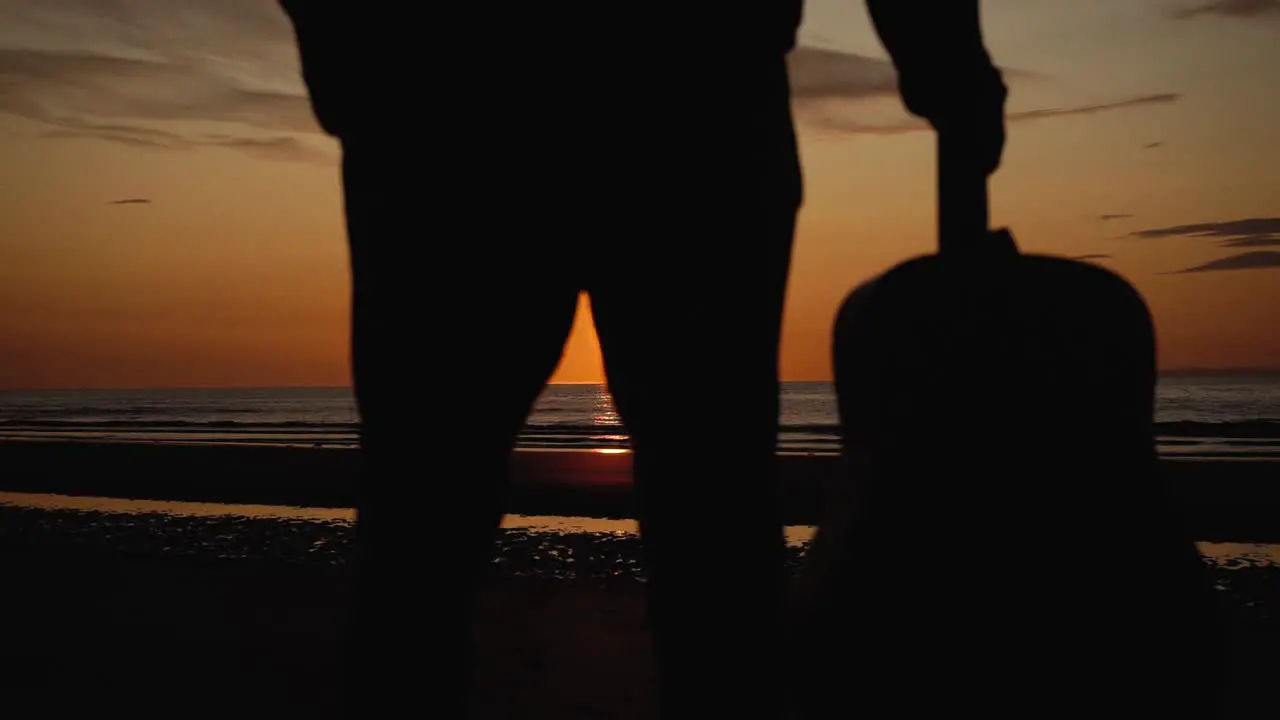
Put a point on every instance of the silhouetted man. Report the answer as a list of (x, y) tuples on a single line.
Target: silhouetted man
[(497, 161)]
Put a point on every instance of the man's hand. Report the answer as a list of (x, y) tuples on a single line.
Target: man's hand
[(944, 72), (967, 106)]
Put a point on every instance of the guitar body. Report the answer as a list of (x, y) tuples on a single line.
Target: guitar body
[(1002, 542)]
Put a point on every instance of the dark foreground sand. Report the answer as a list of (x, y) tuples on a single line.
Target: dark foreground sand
[(152, 615), (155, 637)]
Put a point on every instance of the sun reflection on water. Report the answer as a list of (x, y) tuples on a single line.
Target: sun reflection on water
[(604, 414), (603, 411)]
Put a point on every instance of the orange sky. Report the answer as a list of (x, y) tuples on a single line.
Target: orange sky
[(234, 272)]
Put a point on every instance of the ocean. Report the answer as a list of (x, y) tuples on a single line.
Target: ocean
[(1203, 416)]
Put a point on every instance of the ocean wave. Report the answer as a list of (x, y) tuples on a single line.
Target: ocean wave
[(1249, 439), (1259, 428), (243, 425)]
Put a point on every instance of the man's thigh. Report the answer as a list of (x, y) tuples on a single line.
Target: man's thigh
[(710, 312), (462, 295), (693, 282)]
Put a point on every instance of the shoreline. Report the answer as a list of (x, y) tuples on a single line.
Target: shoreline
[(1233, 500)]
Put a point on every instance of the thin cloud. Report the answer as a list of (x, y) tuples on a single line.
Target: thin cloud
[(114, 99), (1114, 216), (820, 74), (1252, 241), (1256, 260), (823, 82), (1091, 256), (1229, 8), (46, 86), (1151, 99), (1246, 232), (1153, 145), (838, 123), (132, 135), (130, 201), (281, 147), (1228, 228), (824, 74), (841, 124)]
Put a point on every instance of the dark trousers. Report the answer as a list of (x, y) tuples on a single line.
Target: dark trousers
[(669, 194)]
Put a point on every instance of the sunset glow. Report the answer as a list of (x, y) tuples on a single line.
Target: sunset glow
[(170, 215)]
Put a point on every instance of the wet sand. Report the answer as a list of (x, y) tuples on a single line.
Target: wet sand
[(1223, 500)]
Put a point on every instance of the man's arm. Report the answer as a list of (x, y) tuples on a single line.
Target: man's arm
[(943, 67), (319, 28)]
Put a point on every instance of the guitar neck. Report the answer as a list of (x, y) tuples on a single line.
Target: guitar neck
[(963, 202)]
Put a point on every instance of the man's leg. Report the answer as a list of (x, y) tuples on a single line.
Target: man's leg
[(689, 316), (452, 342), (463, 295)]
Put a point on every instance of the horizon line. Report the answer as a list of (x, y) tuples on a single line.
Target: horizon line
[(1176, 372)]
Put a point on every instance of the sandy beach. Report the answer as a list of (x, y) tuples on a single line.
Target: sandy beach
[(161, 611), (1222, 500)]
